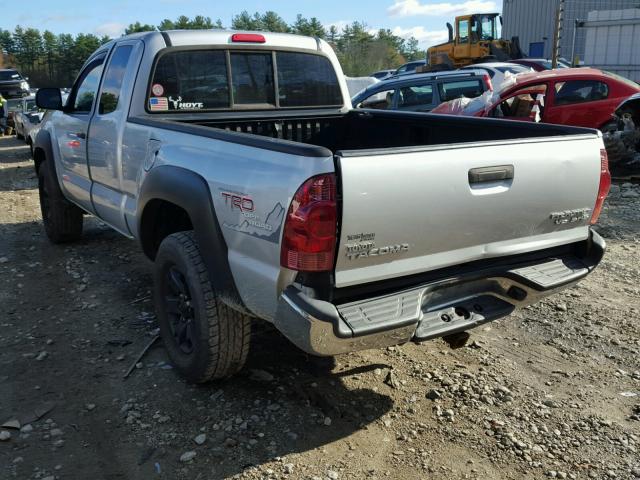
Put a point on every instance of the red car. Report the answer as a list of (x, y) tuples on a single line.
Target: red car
[(581, 97)]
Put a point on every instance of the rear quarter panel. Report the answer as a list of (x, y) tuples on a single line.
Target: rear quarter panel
[(251, 189)]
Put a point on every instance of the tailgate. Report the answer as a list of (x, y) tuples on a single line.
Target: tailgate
[(413, 210)]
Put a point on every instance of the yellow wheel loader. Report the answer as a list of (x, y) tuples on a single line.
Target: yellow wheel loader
[(476, 40)]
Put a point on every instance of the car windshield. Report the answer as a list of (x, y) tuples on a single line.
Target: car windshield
[(513, 69), (9, 75), (548, 65), (13, 105)]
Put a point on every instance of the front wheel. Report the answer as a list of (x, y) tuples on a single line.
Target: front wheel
[(62, 219), (205, 339)]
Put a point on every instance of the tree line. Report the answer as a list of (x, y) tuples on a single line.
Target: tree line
[(54, 60)]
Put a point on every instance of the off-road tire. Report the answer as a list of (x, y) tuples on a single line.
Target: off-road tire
[(62, 219), (220, 335)]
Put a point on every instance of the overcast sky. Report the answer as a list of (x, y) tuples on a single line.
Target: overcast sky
[(423, 19)]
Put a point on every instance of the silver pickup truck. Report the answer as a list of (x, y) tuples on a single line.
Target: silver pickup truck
[(238, 163)]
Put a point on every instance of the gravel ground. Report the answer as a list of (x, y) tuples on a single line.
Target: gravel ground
[(551, 391)]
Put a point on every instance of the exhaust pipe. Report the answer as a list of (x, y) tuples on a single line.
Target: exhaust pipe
[(457, 340), (450, 28)]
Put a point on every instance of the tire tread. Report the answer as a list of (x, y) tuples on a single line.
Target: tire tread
[(229, 331)]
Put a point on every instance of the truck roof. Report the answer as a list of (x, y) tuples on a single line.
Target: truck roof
[(184, 38)]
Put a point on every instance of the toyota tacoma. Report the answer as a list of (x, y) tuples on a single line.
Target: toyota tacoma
[(236, 160)]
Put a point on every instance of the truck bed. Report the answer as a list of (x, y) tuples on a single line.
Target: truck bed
[(364, 130)]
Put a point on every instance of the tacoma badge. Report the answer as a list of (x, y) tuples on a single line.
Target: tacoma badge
[(369, 249), (570, 216)]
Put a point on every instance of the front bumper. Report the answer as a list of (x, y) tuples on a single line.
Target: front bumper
[(433, 309)]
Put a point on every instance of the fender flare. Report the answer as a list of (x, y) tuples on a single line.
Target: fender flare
[(190, 191), (43, 142)]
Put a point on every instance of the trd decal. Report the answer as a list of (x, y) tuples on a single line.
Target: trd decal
[(238, 202)]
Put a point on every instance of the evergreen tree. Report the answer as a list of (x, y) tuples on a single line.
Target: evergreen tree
[(138, 27)]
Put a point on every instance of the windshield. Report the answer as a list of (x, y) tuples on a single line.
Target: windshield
[(488, 27), (9, 75), (514, 69), (548, 65), (14, 105)]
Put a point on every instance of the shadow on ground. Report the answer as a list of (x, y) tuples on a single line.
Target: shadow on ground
[(87, 305)]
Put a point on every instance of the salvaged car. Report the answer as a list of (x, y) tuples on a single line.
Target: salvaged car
[(422, 92), (25, 117), (13, 84), (622, 136), (582, 97), (236, 160)]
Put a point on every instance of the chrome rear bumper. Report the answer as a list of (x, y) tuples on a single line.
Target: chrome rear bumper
[(434, 309)]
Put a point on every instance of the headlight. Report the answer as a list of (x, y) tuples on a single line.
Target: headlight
[(24, 85)]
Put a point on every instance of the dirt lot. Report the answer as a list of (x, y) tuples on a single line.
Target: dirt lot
[(552, 391)]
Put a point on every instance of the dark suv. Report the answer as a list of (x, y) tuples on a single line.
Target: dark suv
[(12, 84), (422, 92)]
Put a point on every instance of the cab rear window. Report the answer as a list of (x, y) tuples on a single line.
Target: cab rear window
[(202, 80)]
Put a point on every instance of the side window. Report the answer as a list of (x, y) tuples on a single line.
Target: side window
[(460, 88), (190, 80), (379, 101), (415, 97), (521, 104), (578, 91), (87, 88), (463, 31), (113, 78)]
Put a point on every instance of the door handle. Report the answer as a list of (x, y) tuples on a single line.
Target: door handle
[(491, 174), (81, 135)]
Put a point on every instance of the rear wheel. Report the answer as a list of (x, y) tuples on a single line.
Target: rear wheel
[(62, 219), (205, 339)]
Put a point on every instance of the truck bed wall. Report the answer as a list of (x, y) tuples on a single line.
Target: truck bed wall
[(370, 130)]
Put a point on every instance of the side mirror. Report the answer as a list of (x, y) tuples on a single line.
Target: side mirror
[(49, 99)]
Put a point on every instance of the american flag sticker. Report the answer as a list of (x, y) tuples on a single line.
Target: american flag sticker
[(158, 104)]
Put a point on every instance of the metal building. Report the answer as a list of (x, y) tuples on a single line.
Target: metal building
[(612, 39), (533, 21)]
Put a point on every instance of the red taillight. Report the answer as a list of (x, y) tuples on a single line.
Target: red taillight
[(247, 38), (605, 185), (309, 239), (487, 81)]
